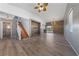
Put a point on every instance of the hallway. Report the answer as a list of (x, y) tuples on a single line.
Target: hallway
[(46, 44)]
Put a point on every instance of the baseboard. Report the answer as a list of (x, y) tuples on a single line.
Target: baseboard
[(73, 48)]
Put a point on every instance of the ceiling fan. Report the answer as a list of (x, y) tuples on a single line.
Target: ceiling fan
[(41, 7)]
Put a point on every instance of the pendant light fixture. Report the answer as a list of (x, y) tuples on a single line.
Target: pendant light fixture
[(41, 6)]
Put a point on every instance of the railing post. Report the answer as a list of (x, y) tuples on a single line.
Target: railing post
[(19, 31)]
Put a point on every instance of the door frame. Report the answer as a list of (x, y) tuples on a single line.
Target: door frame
[(35, 22), (11, 27)]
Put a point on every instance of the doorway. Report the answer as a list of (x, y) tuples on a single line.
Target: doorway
[(7, 29), (35, 28)]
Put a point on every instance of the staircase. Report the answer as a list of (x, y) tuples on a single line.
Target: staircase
[(23, 32)]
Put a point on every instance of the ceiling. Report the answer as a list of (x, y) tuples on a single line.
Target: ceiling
[(4, 15), (55, 11)]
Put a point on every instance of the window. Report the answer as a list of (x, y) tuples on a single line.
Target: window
[(70, 20)]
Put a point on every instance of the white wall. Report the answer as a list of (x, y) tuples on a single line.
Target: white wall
[(72, 34), (20, 12), (73, 37)]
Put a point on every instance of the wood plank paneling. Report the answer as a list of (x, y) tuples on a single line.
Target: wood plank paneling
[(58, 26)]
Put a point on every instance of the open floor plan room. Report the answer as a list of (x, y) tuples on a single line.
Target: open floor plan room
[(39, 29)]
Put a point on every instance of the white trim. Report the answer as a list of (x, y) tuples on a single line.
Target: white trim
[(30, 33), (1, 31), (11, 29), (18, 31)]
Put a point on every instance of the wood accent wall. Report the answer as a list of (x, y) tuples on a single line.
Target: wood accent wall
[(35, 27), (58, 26)]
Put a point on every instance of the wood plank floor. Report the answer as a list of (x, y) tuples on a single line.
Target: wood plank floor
[(40, 45)]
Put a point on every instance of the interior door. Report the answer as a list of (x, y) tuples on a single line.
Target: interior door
[(7, 29)]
